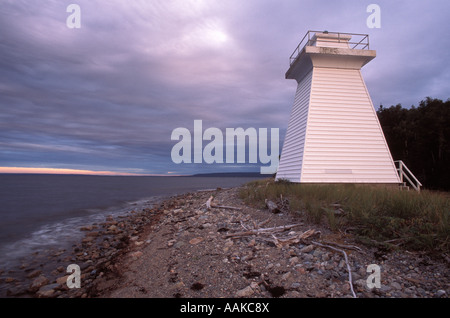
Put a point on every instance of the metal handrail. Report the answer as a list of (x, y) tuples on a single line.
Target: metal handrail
[(364, 42), (401, 171)]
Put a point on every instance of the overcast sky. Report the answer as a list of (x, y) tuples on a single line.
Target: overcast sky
[(107, 96)]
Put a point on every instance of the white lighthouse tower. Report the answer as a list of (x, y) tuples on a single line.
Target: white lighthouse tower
[(334, 135)]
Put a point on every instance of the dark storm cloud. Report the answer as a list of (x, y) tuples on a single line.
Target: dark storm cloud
[(108, 95)]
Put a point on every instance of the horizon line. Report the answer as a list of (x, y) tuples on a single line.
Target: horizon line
[(31, 170)]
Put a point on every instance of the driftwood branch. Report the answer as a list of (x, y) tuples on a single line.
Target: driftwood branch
[(268, 230), (226, 207), (295, 239), (210, 205), (346, 261), (349, 247), (264, 222)]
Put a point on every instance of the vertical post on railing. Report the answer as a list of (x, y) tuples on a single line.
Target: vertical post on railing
[(400, 164)]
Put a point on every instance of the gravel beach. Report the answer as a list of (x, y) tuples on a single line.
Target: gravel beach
[(181, 248)]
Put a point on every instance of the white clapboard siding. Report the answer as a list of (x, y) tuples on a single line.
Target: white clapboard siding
[(333, 134), (344, 142), (292, 154)]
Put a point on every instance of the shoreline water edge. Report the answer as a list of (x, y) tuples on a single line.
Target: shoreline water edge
[(92, 244), (179, 247), (42, 216)]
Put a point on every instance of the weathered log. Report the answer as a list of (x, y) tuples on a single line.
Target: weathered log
[(210, 205), (225, 207), (268, 230), (295, 239)]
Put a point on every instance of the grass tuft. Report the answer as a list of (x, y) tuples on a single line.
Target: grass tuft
[(378, 215)]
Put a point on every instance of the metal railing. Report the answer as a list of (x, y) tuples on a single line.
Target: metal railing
[(361, 42), (405, 173)]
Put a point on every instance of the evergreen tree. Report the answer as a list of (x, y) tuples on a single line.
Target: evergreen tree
[(420, 137)]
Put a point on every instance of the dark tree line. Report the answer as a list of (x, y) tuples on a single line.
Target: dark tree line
[(420, 137)]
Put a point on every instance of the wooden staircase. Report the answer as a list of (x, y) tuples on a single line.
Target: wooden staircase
[(407, 178)]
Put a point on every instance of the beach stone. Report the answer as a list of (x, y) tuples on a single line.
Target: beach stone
[(62, 280), (38, 283), (294, 260), (137, 254), (356, 276), (112, 228), (307, 249), (196, 240), (385, 288), (88, 239), (93, 234), (317, 253), (9, 280), (47, 290), (245, 292), (34, 273), (16, 291), (286, 276), (361, 284), (440, 293), (179, 244)]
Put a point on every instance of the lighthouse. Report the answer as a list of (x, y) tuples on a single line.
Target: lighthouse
[(333, 134)]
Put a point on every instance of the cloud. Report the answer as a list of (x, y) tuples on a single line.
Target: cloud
[(110, 93), (65, 171)]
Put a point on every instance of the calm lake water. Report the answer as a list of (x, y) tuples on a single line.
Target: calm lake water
[(44, 211)]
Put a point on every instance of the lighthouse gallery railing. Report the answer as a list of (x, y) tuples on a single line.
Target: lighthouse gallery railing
[(360, 42)]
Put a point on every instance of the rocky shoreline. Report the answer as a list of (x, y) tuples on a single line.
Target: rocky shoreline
[(44, 274), (181, 248)]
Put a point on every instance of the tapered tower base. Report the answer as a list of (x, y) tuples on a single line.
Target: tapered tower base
[(333, 134)]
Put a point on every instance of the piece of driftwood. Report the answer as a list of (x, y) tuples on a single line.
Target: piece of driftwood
[(349, 247), (210, 205), (279, 242), (226, 207), (346, 261), (264, 222), (268, 230)]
